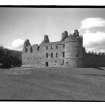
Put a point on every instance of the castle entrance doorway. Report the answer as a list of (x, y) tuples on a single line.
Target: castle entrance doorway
[(46, 64)]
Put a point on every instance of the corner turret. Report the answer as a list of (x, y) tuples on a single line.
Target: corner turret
[(74, 50)]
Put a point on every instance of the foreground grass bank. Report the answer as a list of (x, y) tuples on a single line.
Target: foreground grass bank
[(52, 84)]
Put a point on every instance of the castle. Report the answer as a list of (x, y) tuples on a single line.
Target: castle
[(68, 52)]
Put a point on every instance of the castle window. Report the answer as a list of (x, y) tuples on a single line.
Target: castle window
[(46, 55), (38, 48), (46, 47), (51, 55), (56, 47), (31, 50), (67, 62), (26, 50), (63, 54), (46, 63), (56, 55), (51, 47), (62, 62), (63, 46)]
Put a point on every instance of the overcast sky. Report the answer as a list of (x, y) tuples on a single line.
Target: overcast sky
[(18, 24)]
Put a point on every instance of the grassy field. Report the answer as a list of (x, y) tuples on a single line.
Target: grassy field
[(53, 84)]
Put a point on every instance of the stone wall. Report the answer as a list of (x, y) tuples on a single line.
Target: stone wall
[(67, 52)]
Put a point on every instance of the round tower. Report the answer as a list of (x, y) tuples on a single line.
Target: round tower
[(74, 50)]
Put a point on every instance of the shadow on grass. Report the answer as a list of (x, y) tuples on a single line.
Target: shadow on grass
[(99, 68), (8, 66)]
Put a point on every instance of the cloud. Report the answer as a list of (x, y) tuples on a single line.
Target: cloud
[(98, 47), (92, 23), (17, 44), (93, 40), (90, 38)]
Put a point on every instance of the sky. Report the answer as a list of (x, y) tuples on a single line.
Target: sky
[(19, 24)]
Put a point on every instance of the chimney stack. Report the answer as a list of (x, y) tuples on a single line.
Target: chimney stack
[(76, 33), (64, 35), (27, 43), (46, 39)]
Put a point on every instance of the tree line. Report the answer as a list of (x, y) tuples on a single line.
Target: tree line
[(9, 58)]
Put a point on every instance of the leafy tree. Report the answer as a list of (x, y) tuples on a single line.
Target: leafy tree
[(9, 58)]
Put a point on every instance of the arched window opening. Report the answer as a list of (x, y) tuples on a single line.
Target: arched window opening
[(56, 47), (46, 47), (51, 55), (51, 47), (56, 55), (63, 54), (46, 55), (38, 48)]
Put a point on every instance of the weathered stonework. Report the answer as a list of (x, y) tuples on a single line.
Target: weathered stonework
[(68, 52)]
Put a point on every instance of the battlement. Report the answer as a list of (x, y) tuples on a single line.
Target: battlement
[(64, 38), (74, 37), (71, 38)]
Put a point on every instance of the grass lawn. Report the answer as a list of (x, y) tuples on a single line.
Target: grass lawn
[(52, 84)]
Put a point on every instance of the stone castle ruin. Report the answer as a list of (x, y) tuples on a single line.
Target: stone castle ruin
[(68, 52)]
